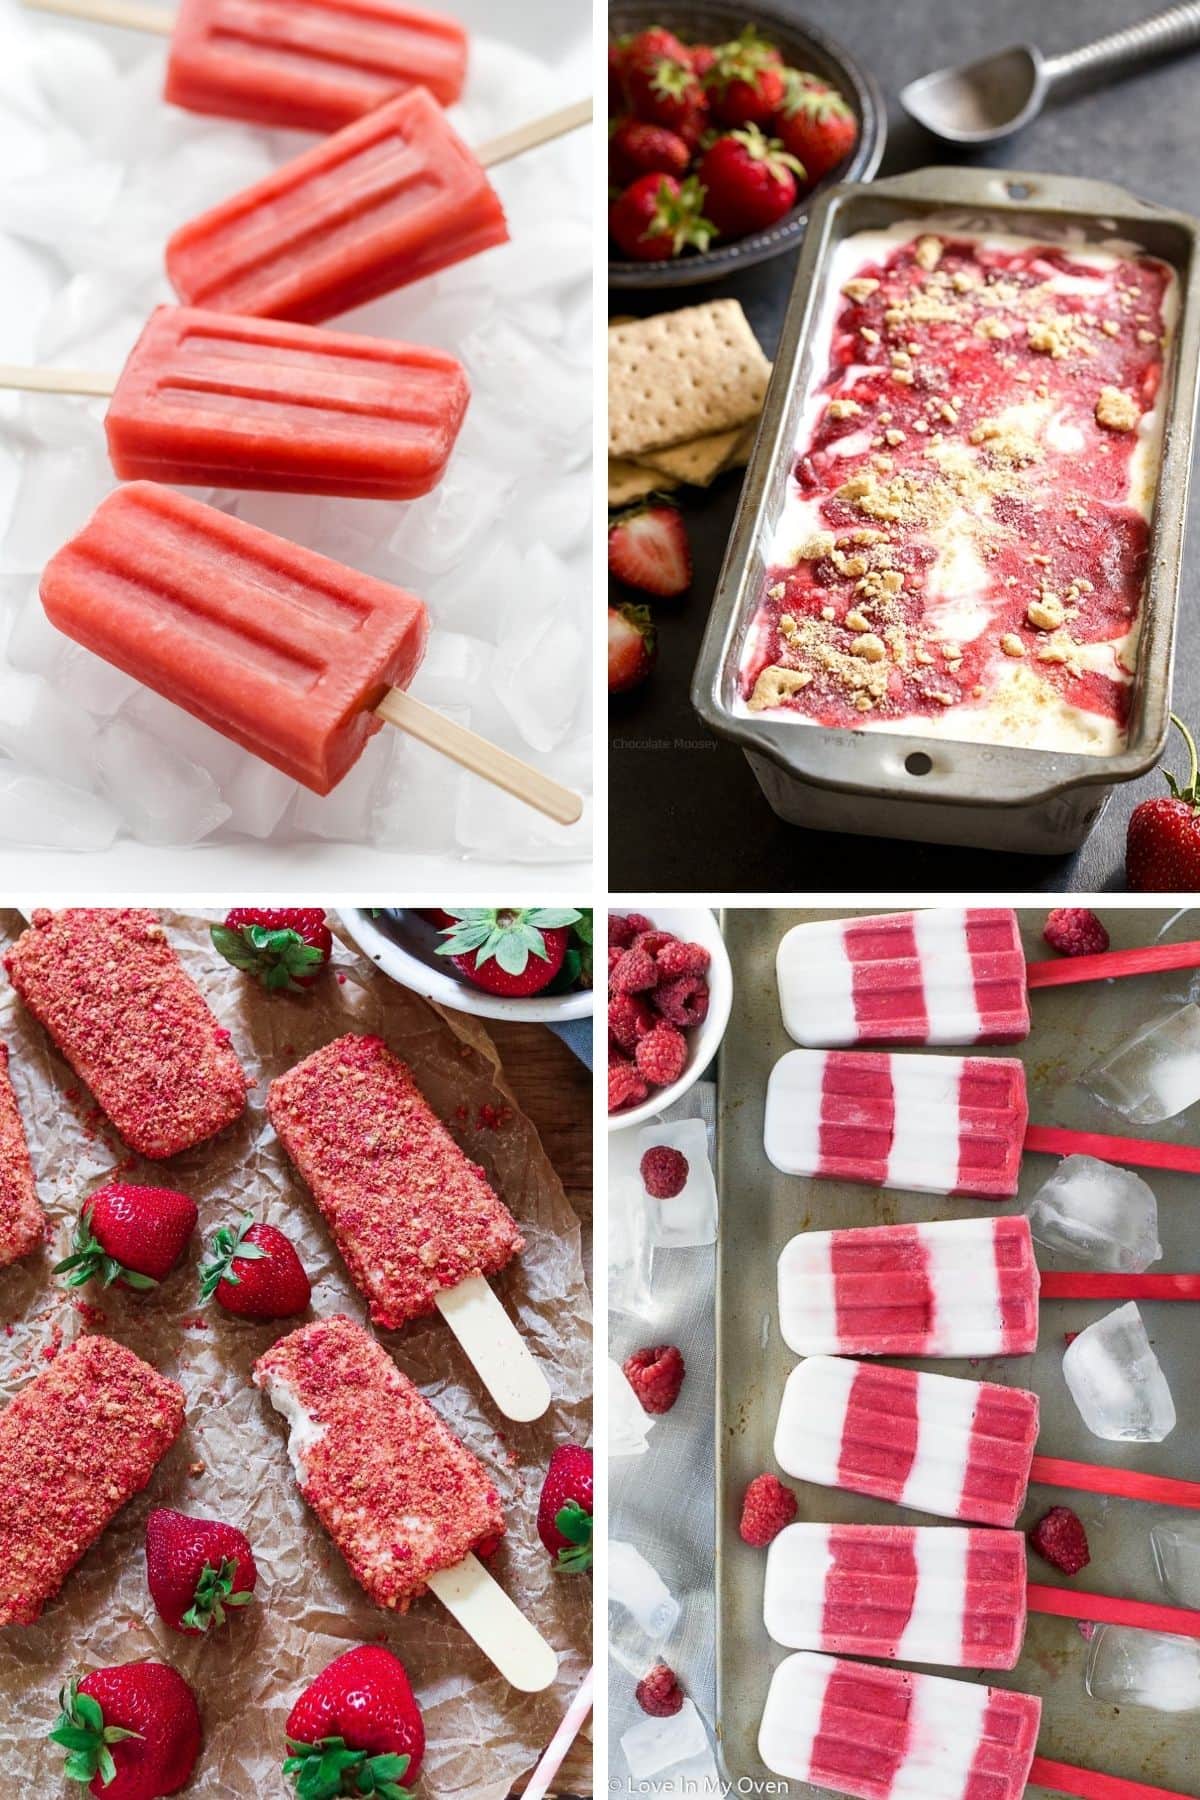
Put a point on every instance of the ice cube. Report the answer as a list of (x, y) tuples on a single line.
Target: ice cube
[(658, 1744), (1144, 1668), (1101, 1216), (1155, 1074), (629, 1424), (163, 798), (44, 815), (630, 1251), (690, 1217), (58, 492), (1116, 1380), (345, 815), (538, 674), (420, 811), (637, 1586), (454, 666), (41, 731), (1176, 1547), (257, 797)]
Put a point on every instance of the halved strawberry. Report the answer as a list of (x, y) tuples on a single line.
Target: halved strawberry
[(648, 548), (631, 647)]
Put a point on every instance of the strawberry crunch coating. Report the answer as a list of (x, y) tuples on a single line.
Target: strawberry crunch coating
[(396, 1491), (21, 1218), (109, 989), (82, 1439), (412, 1215)]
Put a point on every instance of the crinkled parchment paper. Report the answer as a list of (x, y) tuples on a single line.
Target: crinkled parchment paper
[(230, 1462)]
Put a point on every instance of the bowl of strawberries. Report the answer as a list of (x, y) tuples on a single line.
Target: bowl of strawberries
[(723, 123)]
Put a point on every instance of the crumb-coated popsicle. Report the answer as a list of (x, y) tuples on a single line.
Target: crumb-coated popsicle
[(107, 986), (411, 1214), (75, 1445), (22, 1221)]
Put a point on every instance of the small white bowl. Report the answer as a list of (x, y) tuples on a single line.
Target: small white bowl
[(405, 947), (695, 925)]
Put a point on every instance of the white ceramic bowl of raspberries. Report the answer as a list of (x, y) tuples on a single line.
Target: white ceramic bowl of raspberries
[(658, 997)]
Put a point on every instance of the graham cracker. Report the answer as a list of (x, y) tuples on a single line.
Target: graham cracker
[(628, 482), (698, 462), (682, 375)]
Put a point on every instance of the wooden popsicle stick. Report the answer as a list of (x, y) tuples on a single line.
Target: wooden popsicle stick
[(1123, 1484), (111, 12), (1139, 1153), (1066, 1284), (56, 381), (1108, 1609), (498, 1353), (496, 1624), (1089, 1784), (481, 758), (1064, 971), (534, 132), (569, 1728)]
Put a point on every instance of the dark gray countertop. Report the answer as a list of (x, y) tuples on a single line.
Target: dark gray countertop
[(685, 811)]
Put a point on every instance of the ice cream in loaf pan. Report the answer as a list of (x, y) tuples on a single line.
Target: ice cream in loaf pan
[(411, 1214), (109, 989)]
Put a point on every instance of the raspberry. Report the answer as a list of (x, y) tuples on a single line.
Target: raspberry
[(656, 1376), (664, 1172), (1074, 931), (767, 1508), (662, 1055), (629, 1018), (652, 941), (615, 953), (634, 974), (678, 958), (659, 1692), (625, 1085), (1061, 1539), (683, 1001), (620, 931), (638, 922)]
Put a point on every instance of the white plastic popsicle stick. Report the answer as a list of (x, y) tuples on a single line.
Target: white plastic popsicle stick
[(56, 381), (111, 12), (498, 1353), (472, 752), (534, 132), (496, 1624)]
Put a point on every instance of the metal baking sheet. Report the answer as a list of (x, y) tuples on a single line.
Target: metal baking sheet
[(761, 1209)]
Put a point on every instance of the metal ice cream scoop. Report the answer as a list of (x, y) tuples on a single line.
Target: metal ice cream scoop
[(984, 101)]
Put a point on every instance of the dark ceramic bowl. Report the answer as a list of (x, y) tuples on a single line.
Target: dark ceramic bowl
[(707, 21)]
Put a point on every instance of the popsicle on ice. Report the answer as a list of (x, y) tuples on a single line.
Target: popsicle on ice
[(931, 1124), (75, 1445), (404, 1522), (958, 1287), (111, 992), (22, 1221)]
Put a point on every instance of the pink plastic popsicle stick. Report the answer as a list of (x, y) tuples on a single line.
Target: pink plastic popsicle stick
[(1126, 1484), (1089, 1784), (1054, 1140), (1064, 971), (1069, 1284), (1107, 1609)]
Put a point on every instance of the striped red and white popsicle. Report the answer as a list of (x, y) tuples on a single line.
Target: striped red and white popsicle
[(930, 1124), (951, 975)]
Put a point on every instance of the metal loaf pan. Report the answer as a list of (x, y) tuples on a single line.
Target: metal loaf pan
[(934, 790)]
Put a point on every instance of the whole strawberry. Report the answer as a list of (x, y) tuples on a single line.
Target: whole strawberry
[(564, 1519), (356, 1729), (130, 1235), (195, 1568), (631, 647), (658, 217), (1162, 842), (131, 1732), (254, 1272), (286, 947), (648, 548), (816, 126), (637, 149), (665, 90), (511, 951), (750, 181), (745, 80)]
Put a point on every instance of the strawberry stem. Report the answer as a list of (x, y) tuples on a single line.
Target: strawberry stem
[(1188, 793)]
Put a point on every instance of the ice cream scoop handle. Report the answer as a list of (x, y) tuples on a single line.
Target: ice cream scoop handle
[(481, 757), (1124, 1484), (535, 132), (111, 12), (1164, 34), (1068, 1284), (1090, 1784), (56, 381), (1065, 971), (1139, 1153), (1108, 1609)]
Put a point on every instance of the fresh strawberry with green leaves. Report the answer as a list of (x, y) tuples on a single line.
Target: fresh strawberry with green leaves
[(617, 97), (254, 1272), (564, 1519), (286, 947), (636, 149), (648, 548), (816, 126), (356, 1729), (745, 80), (750, 181), (1162, 842), (658, 217), (129, 1235), (511, 951), (665, 90), (702, 57), (195, 1569), (632, 647), (131, 1732)]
